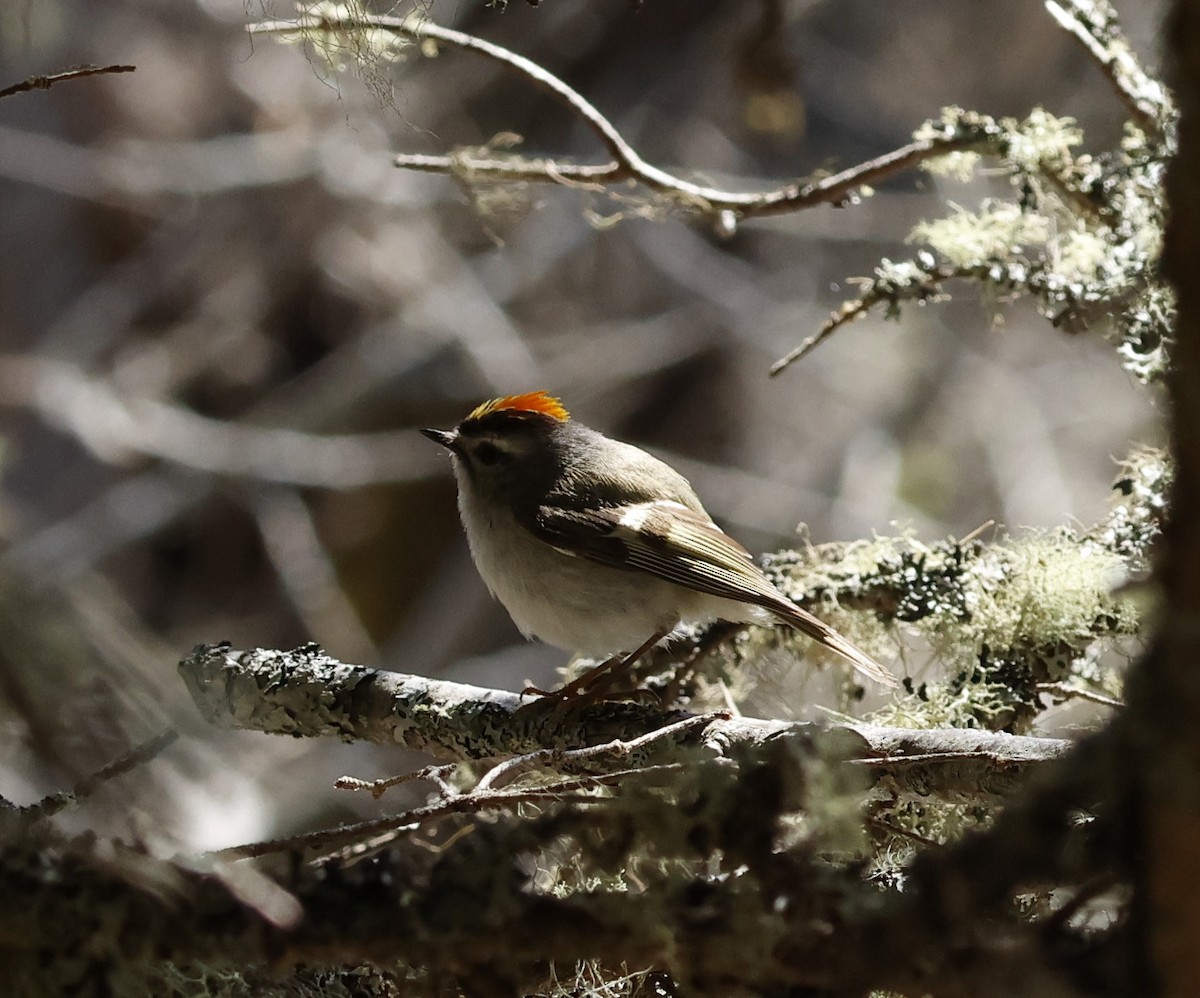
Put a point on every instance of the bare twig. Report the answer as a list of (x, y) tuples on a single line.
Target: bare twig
[(626, 163), (507, 771), (848, 312), (929, 287), (385, 829), (137, 756), (434, 774), (76, 73)]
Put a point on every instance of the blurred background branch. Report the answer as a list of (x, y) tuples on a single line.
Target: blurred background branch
[(46, 82)]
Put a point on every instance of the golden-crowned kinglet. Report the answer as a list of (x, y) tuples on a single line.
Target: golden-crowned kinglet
[(593, 545)]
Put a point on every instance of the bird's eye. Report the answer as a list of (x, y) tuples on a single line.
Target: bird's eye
[(488, 453)]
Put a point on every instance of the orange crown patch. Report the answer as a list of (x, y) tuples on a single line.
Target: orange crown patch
[(541, 402)]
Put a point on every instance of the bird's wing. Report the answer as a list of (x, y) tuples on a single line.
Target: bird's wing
[(664, 538), (684, 546)]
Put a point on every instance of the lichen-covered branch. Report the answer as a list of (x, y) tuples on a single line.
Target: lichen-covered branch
[(479, 913), (1019, 622), (1093, 23), (1081, 234), (1066, 239), (306, 693)]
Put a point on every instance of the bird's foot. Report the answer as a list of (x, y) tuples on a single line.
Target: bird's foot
[(595, 685)]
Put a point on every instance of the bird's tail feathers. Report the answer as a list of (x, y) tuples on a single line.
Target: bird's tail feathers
[(823, 634)]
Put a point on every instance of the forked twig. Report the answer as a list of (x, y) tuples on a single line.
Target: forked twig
[(626, 163), (434, 774), (386, 828)]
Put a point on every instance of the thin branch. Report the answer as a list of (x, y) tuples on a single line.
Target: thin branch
[(835, 189), (1093, 25), (434, 774), (514, 169), (848, 312), (387, 828), (627, 163), (929, 287), (507, 771), (358, 845), (76, 73), (137, 756)]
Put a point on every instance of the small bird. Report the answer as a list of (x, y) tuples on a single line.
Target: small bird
[(597, 547)]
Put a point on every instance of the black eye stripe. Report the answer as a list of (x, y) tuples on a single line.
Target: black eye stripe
[(486, 452)]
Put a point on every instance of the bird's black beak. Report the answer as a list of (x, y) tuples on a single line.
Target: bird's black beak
[(447, 438)]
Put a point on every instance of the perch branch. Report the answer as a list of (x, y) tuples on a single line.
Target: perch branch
[(475, 912), (305, 693)]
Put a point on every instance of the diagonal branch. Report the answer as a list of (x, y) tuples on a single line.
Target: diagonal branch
[(923, 287), (1093, 25), (76, 73)]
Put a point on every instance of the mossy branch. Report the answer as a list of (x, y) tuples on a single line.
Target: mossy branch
[(489, 911), (1081, 235), (305, 693)]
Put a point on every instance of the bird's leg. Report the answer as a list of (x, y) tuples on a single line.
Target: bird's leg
[(593, 683), (716, 633)]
